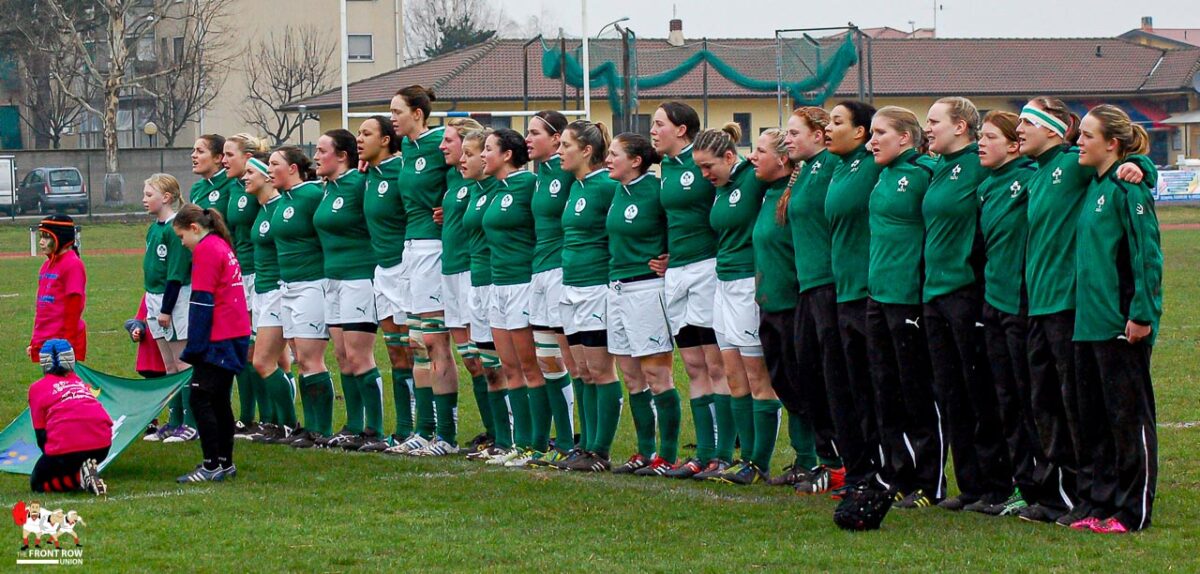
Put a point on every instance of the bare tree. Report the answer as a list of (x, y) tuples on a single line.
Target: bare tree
[(199, 57), (425, 22), (283, 68)]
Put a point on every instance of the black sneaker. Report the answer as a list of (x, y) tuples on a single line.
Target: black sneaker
[(690, 468), (744, 474), (337, 439), (290, 435), (982, 506), (590, 462), (1075, 515), (1039, 513), (308, 440), (373, 442), (657, 467), (634, 464), (822, 479), (264, 431), (572, 455), (713, 470), (243, 431), (917, 499), (956, 503), (792, 474), (480, 442), (89, 478)]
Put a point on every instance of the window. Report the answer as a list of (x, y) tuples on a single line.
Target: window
[(177, 50), (743, 120), (499, 122), (641, 124), (360, 48)]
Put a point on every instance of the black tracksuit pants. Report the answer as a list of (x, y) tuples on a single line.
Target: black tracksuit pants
[(910, 427), (210, 404), (1052, 394), (853, 406), (1006, 337), (793, 381), (966, 395), (1118, 430)]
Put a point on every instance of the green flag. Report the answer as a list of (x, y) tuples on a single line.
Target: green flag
[(132, 404)]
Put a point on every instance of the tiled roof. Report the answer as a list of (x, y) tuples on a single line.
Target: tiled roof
[(922, 67)]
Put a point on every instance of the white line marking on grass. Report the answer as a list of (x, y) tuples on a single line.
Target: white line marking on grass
[(9, 295), (128, 497), (1183, 425)]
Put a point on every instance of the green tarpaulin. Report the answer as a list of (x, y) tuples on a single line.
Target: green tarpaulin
[(132, 404)]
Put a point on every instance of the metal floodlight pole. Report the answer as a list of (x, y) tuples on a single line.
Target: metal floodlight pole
[(587, 62), (562, 67), (345, 44), (626, 101), (704, 82), (858, 43)]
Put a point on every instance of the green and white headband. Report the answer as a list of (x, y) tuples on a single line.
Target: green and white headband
[(1040, 118), (258, 165)]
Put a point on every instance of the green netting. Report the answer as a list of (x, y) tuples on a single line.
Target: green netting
[(811, 71)]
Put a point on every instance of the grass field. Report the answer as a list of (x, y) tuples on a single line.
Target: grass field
[(319, 511)]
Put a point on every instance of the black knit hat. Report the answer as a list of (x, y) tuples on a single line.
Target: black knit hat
[(61, 227)]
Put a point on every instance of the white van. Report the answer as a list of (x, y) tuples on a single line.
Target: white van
[(8, 184)]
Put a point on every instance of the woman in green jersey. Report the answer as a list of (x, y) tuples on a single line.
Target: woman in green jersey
[(508, 226), (349, 294), (456, 274), (952, 300), (563, 375), (271, 357), (422, 183), (735, 314), (214, 187), (691, 282), (301, 269), (638, 331), (910, 427), (167, 272), (1119, 267), (1002, 198), (583, 149), (1056, 192), (242, 211), (383, 209)]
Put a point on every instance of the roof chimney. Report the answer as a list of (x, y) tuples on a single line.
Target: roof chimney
[(1147, 24), (675, 38)]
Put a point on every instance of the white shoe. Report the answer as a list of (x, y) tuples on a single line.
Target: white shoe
[(522, 460), (438, 447), (501, 460), (411, 444), (182, 434)]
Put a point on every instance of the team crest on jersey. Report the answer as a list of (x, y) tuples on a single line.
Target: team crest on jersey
[(954, 172), (419, 164), (631, 213), (1057, 175), (902, 185), (214, 195), (1141, 209), (506, 201), (580, 205), (242, 201), (1100, 204), (479, 202), (555, 187), (735, 196), (383, 187), (288, 212), (854, 165), (337, 203), (161, 251), (687, 178), (1015, 188), (462, 192), (816, 167), (264, 227)]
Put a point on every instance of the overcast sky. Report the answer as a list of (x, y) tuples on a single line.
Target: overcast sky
[(955, 18)]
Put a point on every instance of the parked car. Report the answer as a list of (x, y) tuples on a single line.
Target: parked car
[(8, 187), (50, 189)]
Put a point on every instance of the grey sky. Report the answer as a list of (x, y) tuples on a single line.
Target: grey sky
[(957, 18)]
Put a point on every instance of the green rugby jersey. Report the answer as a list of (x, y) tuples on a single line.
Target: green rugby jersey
[(1119, 262), (898, 229), (808, 223), (423, 181), (846, 208), (733, 213), (296, 241), (549, 200), (637, 228), (213, 192), (1003, 197), (266, 258), (508, 225), (456, 244), (166, 258), (951, 213), (383, 207), (1056, 194), (342, 228), (482, 192), (777, 283), (243, 211), (687, 198), (585, 241)]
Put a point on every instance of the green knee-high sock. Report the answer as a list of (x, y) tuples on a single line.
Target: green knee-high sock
[(306, 405), (245, 389), (800, 436), (262, 399), (500, 418), (726, 429), (185, 398), (766, 430), (318, 388), (175, 409), (643, 421), (704, 419), (446, 410), (669, 412), (518, 401), (402, 392), (540, 417), (370, 385), (479, 389), (560, 411), (608, 415), (743, 419), (587, 409), (352, 395), (283, 401), (426, 420)]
